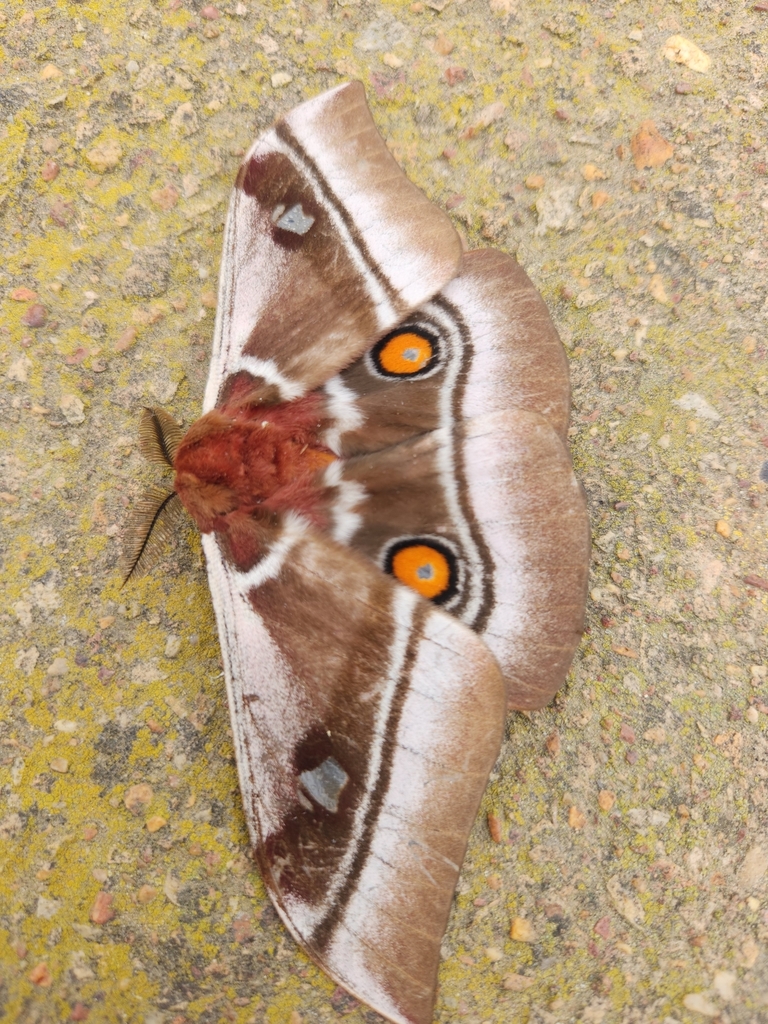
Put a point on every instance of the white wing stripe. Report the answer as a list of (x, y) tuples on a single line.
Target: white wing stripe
[(267, 369), (447, 457), (269, 567), (344, 412), (349, 495)]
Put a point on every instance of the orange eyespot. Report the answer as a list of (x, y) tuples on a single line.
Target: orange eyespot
[(422, 567), (405, 353)]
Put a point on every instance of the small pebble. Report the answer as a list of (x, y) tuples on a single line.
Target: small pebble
[(102, 911), (753, 868), (243, 929), (683, 51), (606, 799), (442, 45), (49, 171), (723, 527), (656, 735), (649, 148), (146, 893), (172, 646), (521, 930), (105, 156), (750, 951), (603, 928), (576, 818), (35, 316), (590, 172), (40, 975), (517, 982), (657, 289), (126, 339), (60, 765), (138, 796), (155, 823), (494, 827), (454, 75), (724, 983), (699, 1003), (72, 409), (164, 198), (50, 72), (627, 733)]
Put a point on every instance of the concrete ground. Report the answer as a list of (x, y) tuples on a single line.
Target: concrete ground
[(621, 151)]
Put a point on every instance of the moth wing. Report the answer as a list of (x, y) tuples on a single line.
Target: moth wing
[(327, 246), (366, 723), (472, 456), (514, 532)]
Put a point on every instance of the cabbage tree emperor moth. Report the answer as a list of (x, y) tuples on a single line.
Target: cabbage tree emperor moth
[(396, 544)]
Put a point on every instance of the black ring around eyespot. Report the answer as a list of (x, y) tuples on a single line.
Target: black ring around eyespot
[(452, 587), (375, 353)]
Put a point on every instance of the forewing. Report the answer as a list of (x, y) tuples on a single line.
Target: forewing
[(366, 723), (327, 246), (472, 456)]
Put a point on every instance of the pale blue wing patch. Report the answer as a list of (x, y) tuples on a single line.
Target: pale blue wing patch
[(325, 783)]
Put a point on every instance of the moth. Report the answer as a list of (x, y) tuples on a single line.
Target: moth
[(396, 544)]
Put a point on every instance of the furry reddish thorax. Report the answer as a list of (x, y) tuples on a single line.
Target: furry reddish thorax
[(240, 465)]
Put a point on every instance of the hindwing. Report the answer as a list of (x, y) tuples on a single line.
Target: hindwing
[(456, 474)]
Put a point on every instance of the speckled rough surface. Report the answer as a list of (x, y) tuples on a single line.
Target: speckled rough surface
[(630, 882)]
